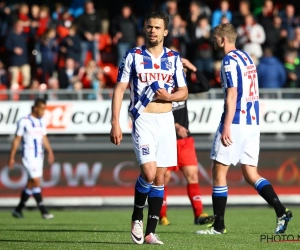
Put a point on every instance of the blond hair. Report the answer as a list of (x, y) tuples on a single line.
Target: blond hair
[(226, 30)]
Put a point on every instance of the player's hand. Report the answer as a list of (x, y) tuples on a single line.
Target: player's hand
[(162, 94), (50, 158), (226, 137), (181, 131), (116, 135), (11, 163)]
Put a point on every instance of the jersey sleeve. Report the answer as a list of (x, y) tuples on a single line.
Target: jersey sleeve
[(21, 127), (125, 69), (179, 76), (230, 72)]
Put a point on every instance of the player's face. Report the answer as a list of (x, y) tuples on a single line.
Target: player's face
[(155, 31), (218, 42), (39, 111)]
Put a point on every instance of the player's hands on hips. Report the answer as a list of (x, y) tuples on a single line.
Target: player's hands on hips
[(181, 131), (162, 94), (11, 163), (116, 135), (226, 137)]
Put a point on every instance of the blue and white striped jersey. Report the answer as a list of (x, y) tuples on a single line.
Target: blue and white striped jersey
[(146, 74), (238, 70), (32, 131)]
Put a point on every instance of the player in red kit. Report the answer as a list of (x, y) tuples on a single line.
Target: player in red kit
[(186, 155)]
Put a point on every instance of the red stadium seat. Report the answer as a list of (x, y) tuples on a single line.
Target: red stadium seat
[(3, 96), (110, 74)]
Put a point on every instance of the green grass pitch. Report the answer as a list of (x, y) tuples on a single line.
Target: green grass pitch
[(110, 229)]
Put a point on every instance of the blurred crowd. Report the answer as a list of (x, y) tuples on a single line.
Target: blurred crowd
[(79, 46)]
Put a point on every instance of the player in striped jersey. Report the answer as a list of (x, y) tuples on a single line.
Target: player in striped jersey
[(156, 78), (238, 135), (32, 131)]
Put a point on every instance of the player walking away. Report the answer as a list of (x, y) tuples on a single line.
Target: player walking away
[(186, 155), (238, 135), (156, 79), (32, 131)]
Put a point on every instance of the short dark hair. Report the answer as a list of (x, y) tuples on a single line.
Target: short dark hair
[(160, 15), (39, 101)]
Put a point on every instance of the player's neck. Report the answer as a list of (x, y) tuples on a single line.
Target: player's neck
[(228, 48), (33, 115), (155, 50)]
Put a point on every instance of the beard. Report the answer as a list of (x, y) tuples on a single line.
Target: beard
[(154, 43)]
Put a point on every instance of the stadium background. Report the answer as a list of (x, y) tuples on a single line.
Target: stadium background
[(90, 171)]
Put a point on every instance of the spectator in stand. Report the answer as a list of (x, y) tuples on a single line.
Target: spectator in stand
[(215, 81), (289, 20), (70, 46), (265, 16), (34, 88), (49, 48), (276, 37), (89, 28), (203, 48), (33, 43), (124, 30), (16, 46), (294, 44), (140, 40), (171, 8), (238, 17), (77, 8), (5, 12), (23, 15), (178, 36), (222, 11), (195, 11), (270, 71), (251, 36), (3, 75), (44, 21), (92, 77), (63, 24), (292, 67), (53, 87), (58, 11), (68, 75)]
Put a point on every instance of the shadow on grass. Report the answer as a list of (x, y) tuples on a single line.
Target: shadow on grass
[(84, 231), (68, 242), (64, 230)]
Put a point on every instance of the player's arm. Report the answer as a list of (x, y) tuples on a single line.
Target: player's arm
[(181, 90), (14, 147), (180, 94), (202, 85), (231, 98), (48, 147), (181, 131), (118, 95)]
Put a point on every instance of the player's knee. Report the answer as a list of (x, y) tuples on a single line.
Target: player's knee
[(148, 177), (192, 177)]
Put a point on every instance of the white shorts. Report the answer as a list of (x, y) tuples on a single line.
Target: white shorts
[(244, 149), (154, 139), (33, 166)]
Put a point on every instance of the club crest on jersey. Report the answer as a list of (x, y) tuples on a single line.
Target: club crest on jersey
[(145, 150), (169, 65)]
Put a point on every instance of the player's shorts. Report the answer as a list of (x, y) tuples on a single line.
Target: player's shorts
[(186, 153), (33, 166), (154, 139), (244, 149)]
